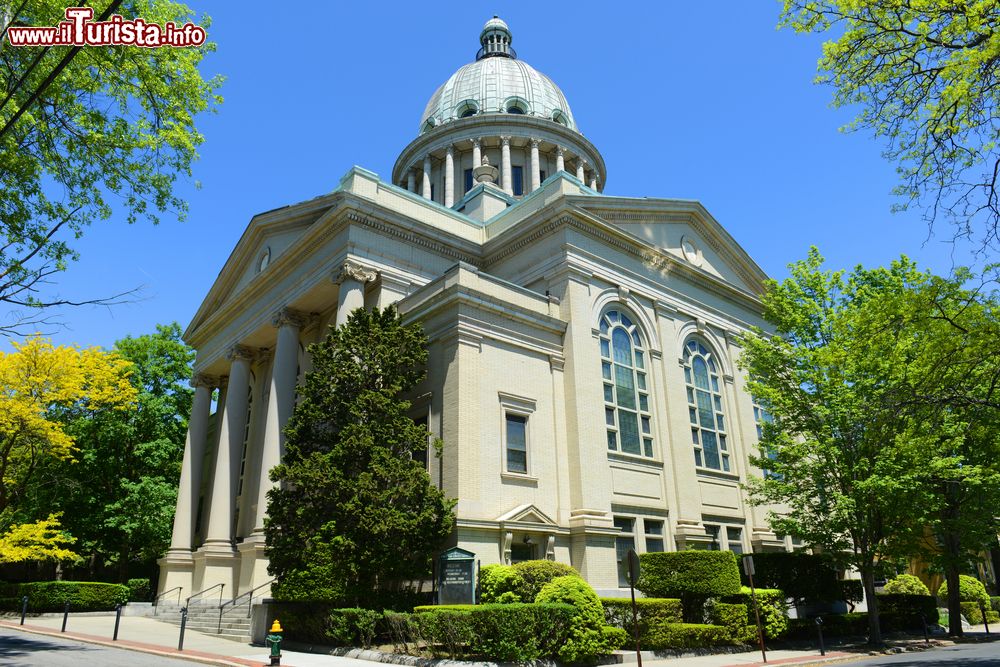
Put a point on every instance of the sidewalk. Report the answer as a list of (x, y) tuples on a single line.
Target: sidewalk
[(151, 636)]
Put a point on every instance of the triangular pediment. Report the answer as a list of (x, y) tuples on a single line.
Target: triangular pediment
[(526, 514), (686, 231)]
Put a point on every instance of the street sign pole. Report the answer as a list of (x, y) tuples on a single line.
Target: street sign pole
[(750, 571), (633, 579)]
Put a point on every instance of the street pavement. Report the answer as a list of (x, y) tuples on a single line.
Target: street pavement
[(146, 641)]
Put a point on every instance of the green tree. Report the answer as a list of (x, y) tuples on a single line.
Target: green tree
[(355, 513), (833, 447), (113, 131), (923, 76), (941, 343), (118, 493)]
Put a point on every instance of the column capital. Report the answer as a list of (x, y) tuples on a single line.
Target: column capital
[(581, 162), (534, 142), (477, 142), (289, 317), (560, 151), (505, 140), (204, 380), (241, 353), (351, 270), (450, 149)]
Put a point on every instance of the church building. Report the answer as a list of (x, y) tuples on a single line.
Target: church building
[(582, 371)]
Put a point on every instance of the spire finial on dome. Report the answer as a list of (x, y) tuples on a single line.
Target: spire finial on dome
[(495, 40)]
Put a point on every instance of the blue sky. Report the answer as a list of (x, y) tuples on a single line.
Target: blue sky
[(704, 101)]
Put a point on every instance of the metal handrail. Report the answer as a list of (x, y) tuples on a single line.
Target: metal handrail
[(221, 587), (243, 595), (156, 599)]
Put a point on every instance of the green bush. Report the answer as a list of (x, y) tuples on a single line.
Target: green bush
[(587, 639), (974, 613), (686, 635), (773, 610), (852, 591), (500, 583), (970, 589), (691, 576), (995, 604), (906, 584), (53, 595), (854, 624), (536, 573), (649, 612), (804, 577), (734, 618), (322, 623), (139, 590), (901, 611), (446, 633)]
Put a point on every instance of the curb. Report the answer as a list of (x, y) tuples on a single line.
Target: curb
[(153, 649)]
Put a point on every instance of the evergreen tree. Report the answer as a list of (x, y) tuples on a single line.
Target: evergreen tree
[(355, 513)]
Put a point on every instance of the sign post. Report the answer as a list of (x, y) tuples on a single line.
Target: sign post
[(748, 568), (633, 579)]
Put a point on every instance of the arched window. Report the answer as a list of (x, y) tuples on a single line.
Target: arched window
[(626, 390), (708, 424)]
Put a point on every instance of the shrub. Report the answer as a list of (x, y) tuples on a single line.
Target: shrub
[(686, 635), (446, 633), (500, 583), (323, 623), (901, 611), (804, 577), (970, 589), (906, 584), (649, 612), (852, 591), (773, 610), (995, 604), (139, 590), (691, 576), (974, 613), (835, 625), (535, 574), (53, 595), (587, 639), (734, 618)]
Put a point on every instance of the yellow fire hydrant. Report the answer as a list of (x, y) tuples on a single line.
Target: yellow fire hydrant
[(274, 639)]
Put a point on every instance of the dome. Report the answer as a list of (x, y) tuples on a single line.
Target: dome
[(497, 82)]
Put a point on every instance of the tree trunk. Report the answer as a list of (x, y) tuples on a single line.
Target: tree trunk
[(951, 573), (868, 580), (951, 544)]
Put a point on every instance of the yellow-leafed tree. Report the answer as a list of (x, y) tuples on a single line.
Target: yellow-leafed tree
[(38, 381)]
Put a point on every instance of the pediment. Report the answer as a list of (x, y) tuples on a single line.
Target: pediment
[(526, 514), (686, 231)]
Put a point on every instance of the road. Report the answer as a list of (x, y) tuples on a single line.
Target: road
[(986, 654), (20, 649)]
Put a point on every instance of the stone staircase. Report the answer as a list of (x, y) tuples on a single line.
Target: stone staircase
[(230, 622)]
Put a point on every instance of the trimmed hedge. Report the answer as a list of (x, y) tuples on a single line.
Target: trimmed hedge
[(995, 604), (773, 610), (53, 595), (588, 637), (804, 577), (520, 582), (139, 590), (691, 576), (900, 611), (970, 589), (854, 624), (734, 618), (906, 584), (686, 635), (650, 611), (974, 613)]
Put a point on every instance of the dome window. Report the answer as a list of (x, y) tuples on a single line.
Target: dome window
[(429, 124), (559, 117), (516, 105), (467, 108)]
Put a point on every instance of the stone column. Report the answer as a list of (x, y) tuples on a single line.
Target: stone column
[(508, 185), (477, 152), (593, 180), (352, 279), (281, 400), (449, 177), (560, 159), (411, 181), (580, 165), (194, 452), (227, 459), (426, 184), (536, 168)]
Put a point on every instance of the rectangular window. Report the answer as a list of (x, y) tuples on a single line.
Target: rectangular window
[(432, 193), (421, 456), (734, 540), (517, 443), (654, 535), (521, 552), (542, 177), (713, 534), (517, 179), (623, 543), (468, 180)]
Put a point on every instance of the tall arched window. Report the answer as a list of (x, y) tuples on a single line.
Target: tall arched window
[(708, 424), (626, 391)]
